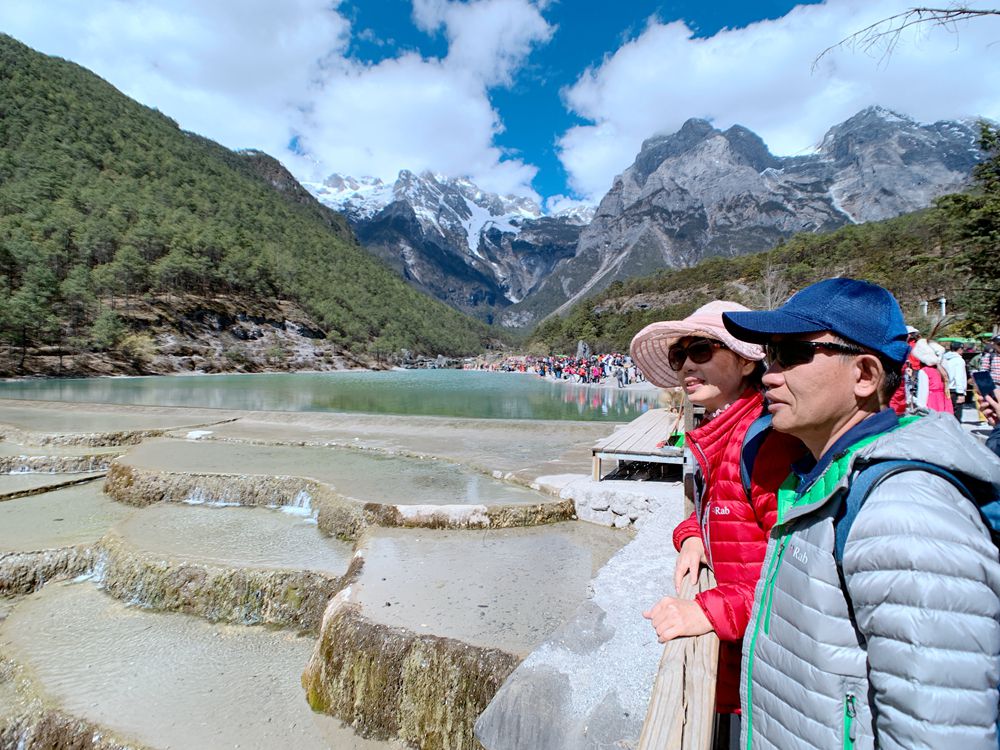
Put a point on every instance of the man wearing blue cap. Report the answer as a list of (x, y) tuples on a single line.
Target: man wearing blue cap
[(875, 627)]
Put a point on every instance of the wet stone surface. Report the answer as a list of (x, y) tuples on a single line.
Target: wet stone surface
[(168, 680), (9, 449), (523, 447), (361, 475), (588, 685), (63, 518), (15, 483), (58, 417), (505, 588), (235, 537), (446, 614)]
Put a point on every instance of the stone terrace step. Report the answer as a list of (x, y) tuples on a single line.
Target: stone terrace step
[(168, 680)]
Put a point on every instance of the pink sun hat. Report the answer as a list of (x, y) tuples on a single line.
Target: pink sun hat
[(649, 347)]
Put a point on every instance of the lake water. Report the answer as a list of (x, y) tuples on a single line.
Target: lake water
[(447, 393)]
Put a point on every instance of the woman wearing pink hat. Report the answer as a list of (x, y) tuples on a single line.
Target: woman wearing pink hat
[(728, 530)]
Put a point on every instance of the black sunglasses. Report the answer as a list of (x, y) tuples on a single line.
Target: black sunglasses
[(698, 351), (792, 353)]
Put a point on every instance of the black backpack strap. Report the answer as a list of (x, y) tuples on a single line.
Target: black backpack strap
[(754, 438)]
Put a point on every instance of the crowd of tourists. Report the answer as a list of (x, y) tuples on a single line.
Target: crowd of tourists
[(613, 367), (939, 378), (829, 458)]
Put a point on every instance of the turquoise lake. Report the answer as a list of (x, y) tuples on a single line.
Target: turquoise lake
[(446, 393)]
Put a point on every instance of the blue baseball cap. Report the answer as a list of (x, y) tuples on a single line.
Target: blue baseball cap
[(857, 311)]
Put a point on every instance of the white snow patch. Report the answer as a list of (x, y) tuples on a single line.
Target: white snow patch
[(835, 195), (359, 197), (479, 218)]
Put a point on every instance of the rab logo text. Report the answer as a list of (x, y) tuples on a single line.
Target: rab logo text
[(799, 555), (716, 510)]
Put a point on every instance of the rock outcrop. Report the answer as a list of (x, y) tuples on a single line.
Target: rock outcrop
[(44, 728), (618, 503), (242, 596), (194, 333), (389, 682)]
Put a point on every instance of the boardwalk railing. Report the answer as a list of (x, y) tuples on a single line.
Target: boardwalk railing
[(681, 714)]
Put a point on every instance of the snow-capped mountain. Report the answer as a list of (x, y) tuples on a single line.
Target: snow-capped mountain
[(701, 192), (478, 251), (360, 197), (688, 195)]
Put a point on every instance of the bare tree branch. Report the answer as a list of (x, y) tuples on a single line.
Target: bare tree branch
[(886, 33), (768, 291)]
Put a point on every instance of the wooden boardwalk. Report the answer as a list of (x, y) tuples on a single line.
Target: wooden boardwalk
[(637, 441)]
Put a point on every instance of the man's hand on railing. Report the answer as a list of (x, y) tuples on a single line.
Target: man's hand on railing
[(672, 618)]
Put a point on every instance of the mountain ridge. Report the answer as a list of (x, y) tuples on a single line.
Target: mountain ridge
[(476, 250), (688, 195), (103, 199), (702, 192)]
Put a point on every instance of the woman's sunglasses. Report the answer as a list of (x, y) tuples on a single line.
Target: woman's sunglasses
[(698, 351), (791, 353)]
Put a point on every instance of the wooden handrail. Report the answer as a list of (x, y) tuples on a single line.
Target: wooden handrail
[(681, 714)]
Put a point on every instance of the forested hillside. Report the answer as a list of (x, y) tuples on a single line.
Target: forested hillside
[(103, 200), (950, 250)]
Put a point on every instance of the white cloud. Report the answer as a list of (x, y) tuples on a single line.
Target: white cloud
[(431, 114), (255, 74), (414, 113), (235, 72), (488, 38), (761, 77), (557, 203)]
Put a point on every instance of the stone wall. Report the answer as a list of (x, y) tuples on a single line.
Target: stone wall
[(618, 503), (25, 572), (55, 464)]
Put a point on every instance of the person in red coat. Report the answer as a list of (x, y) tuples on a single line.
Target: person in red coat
[(728, 530)]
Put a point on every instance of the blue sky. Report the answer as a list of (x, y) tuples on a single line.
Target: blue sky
[(546, 98), (585, 31)]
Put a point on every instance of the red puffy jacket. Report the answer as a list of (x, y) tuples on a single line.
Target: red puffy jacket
[(734, 531)]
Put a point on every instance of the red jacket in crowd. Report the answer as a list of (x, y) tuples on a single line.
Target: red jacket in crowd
[(734, 530)]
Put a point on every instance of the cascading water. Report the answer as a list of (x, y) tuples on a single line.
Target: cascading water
[(204, 554)]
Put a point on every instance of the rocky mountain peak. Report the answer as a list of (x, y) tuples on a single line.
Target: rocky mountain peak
[(694, 193), (477, 250), (580, 215), (701, 192), (751, 148), (348, 183), (657, 149), (742, 147), (870, 125)]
